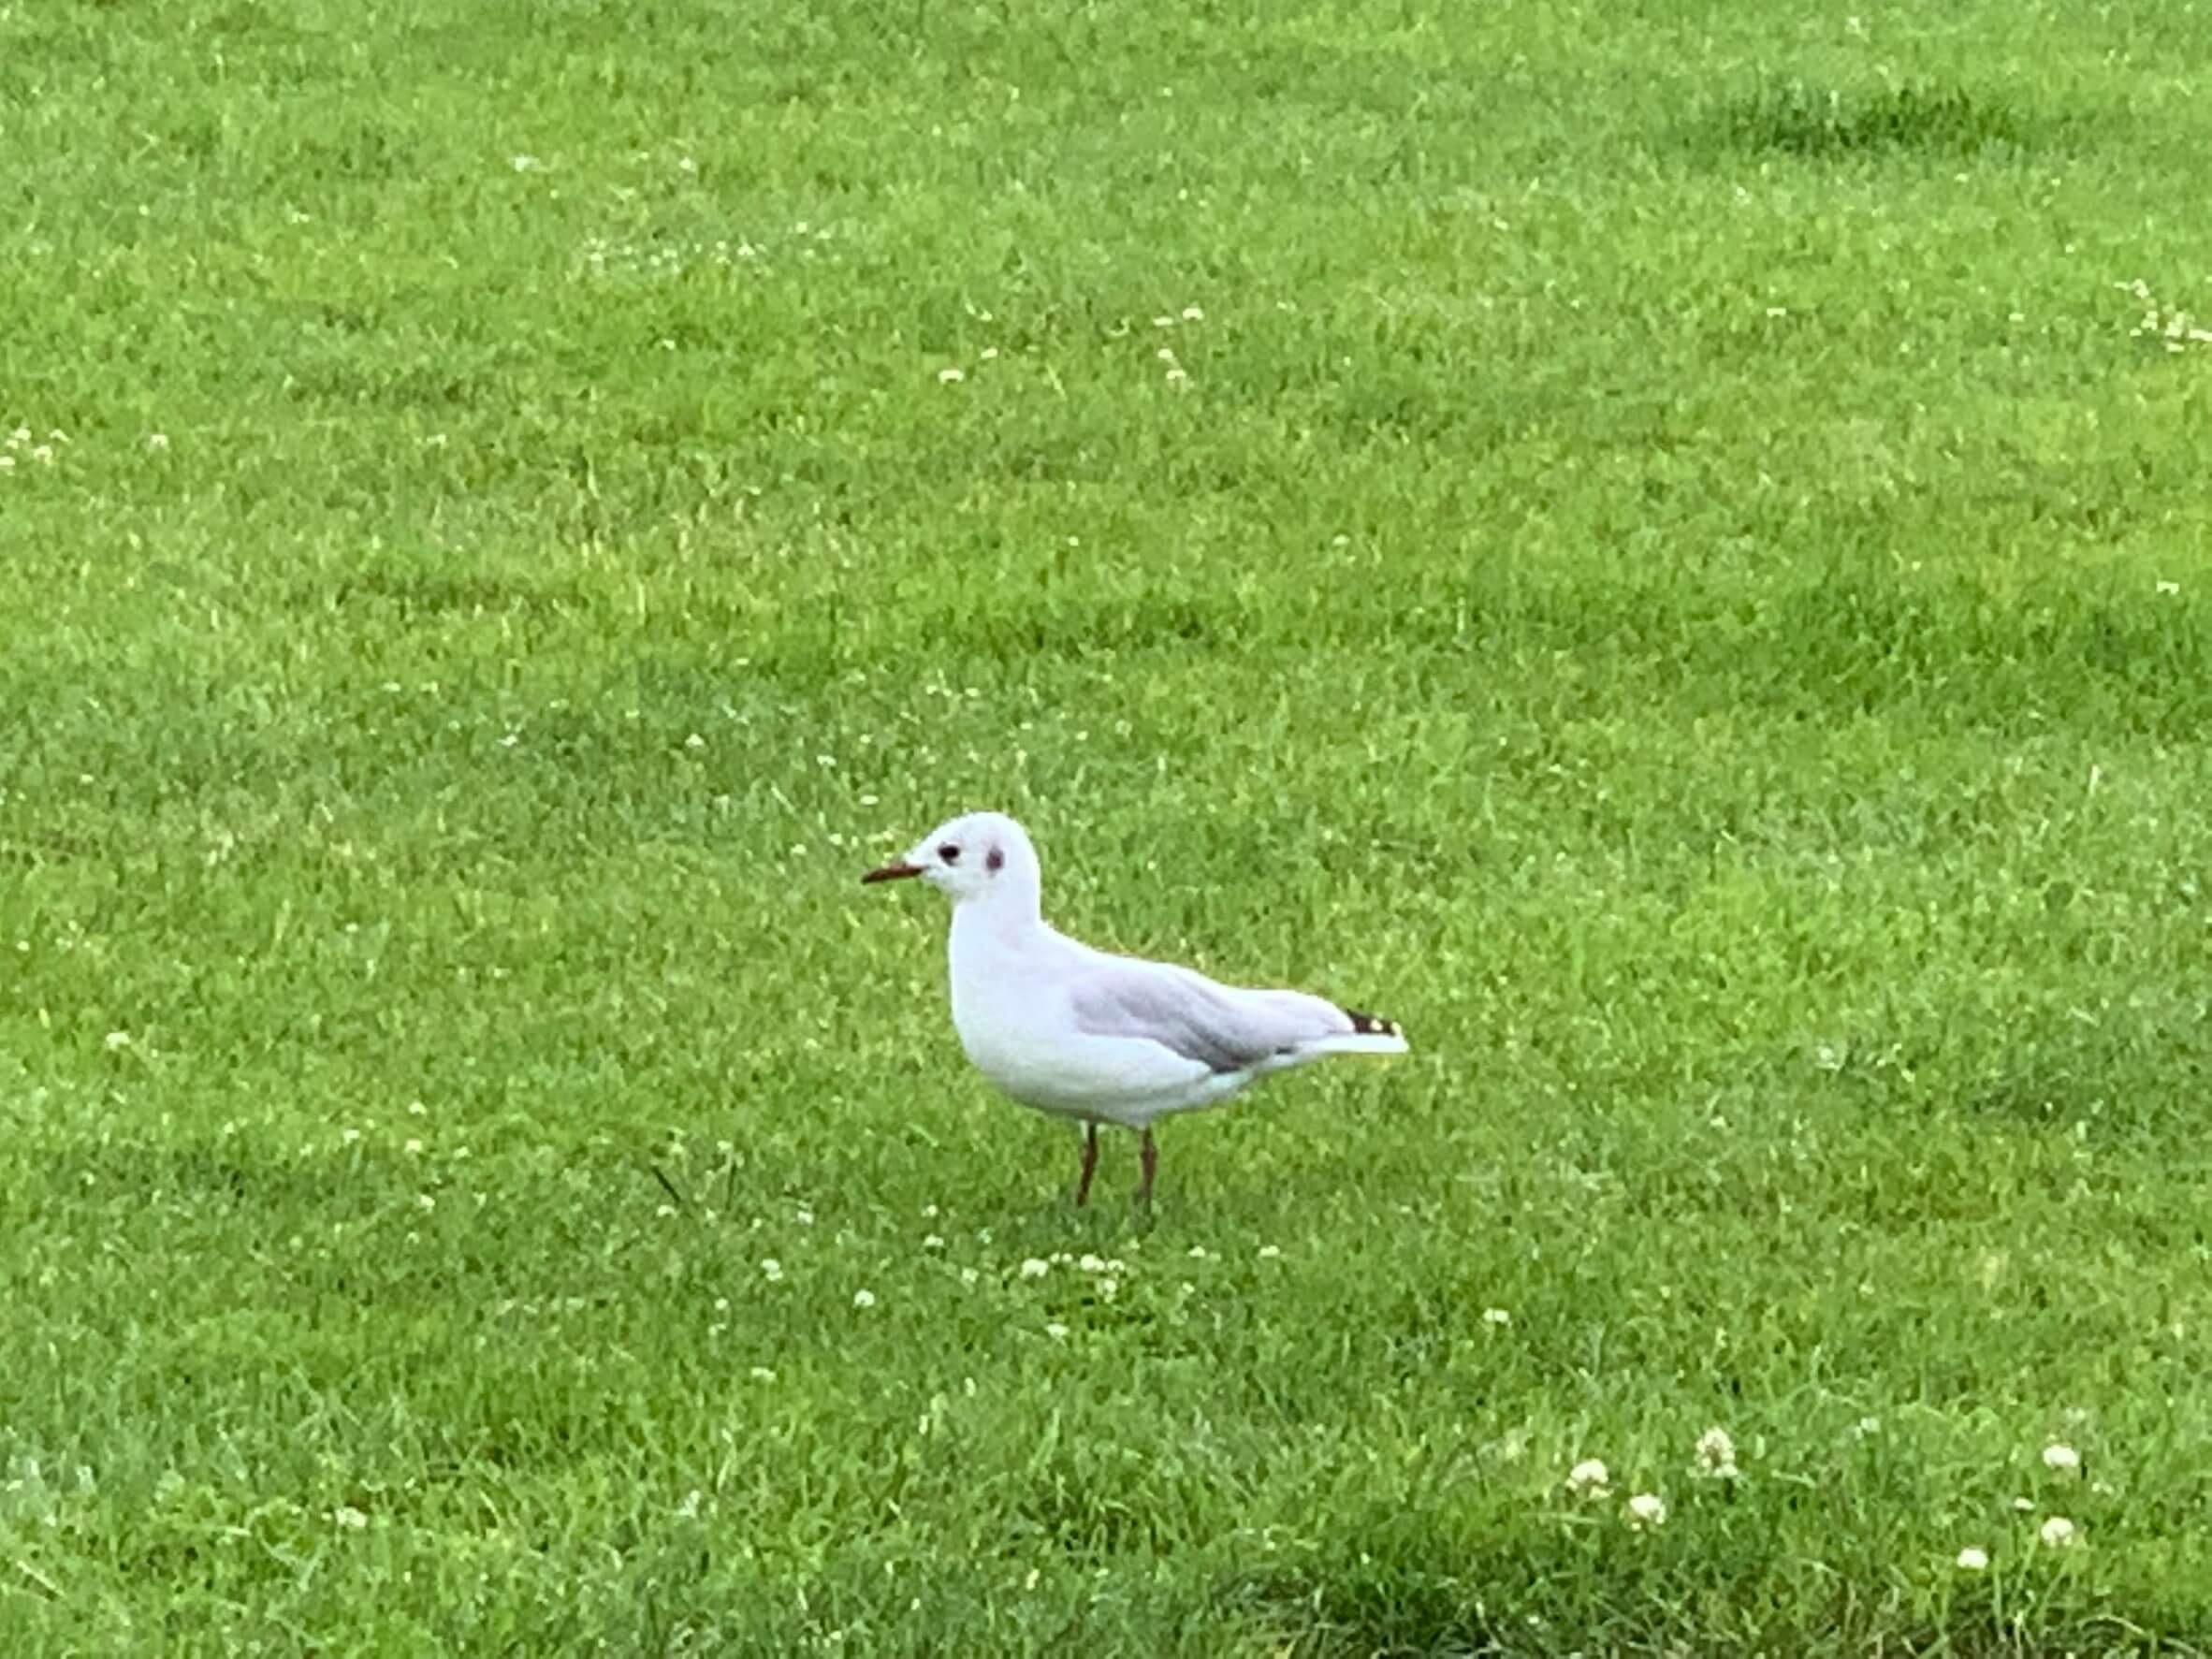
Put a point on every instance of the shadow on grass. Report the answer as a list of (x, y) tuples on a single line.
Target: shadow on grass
[(1850, 643), (2137, 1074), (1830, 123), (1152, 621), (1398, 1591), (2143, 1080), (413, 594)]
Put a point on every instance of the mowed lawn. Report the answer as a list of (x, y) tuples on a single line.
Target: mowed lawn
[(1664, 547)]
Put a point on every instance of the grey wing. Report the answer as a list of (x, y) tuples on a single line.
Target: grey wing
[(1223, 1027)]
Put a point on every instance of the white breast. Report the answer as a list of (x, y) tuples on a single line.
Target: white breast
[(1004, 1016), (1013, 1014)]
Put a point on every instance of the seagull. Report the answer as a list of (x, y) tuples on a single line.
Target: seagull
[(1094, 1036)]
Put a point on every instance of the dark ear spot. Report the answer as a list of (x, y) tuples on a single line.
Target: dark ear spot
[(994, 860)]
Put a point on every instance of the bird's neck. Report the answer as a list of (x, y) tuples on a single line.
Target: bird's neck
[(1003, 916)]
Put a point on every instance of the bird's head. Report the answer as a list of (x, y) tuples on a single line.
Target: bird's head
[(977, 855)]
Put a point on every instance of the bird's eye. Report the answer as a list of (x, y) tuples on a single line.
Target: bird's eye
[(949, 853)]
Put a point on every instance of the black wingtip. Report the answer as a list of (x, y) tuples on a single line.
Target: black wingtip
[(1367, 1025)]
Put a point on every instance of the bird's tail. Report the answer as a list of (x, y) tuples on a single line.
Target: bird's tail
[(1371, 1034), (1352, 1045)]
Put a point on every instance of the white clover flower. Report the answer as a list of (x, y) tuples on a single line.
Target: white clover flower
[(1036, 1268), (969, 1276), (1647, 1508), (1108, 1286), (1269, 1252), (115, 1039), (950, 377), (863, 1298), (1496, 1316), (762, 1373), (802, 1216), (524, 164), (1092, 1265), (1716, 1454), (2061, 1459), (1972, 1560), (2058, 1533), (1192, 315), (771, 1268), (346, 1516), (933, 1242), (412, 1148), (1589, 1478), (157, 441), (1056, 1330)]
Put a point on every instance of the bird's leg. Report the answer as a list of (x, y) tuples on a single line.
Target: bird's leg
[(1148, 1155), (1090, 1162)]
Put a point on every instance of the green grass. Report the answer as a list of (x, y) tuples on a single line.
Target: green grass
[(1673, 565)]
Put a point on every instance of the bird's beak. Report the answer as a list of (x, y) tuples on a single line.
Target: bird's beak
[(899, 869)]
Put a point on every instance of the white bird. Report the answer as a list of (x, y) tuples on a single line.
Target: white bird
[(1094, 1037)]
